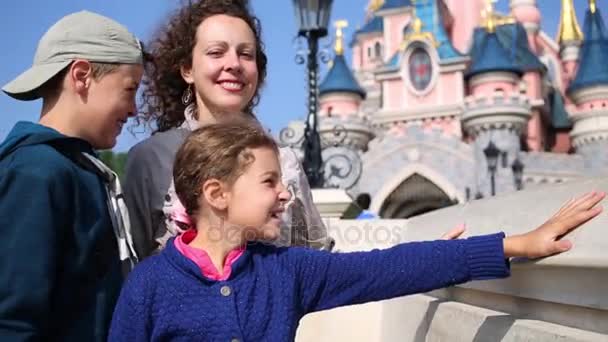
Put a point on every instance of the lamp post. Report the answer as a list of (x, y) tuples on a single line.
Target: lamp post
[(518, 173), (312, 17), (492, 152)]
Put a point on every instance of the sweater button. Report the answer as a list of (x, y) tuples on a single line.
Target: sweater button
[(225, 291)]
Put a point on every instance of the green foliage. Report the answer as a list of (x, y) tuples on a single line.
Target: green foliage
[(115, 161)]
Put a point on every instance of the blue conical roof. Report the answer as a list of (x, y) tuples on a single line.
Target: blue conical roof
[(514, 39), (390, 4), (376, 24), (559, 115), (488, 55), (593, 61), (340, 79)]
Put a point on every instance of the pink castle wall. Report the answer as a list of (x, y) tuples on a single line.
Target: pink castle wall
[(340, 105), (357, 58), (451, 87), (534, 137), (467, 16), (393, 28), (533, 85), (569, 68), (491, 87), (370, 61), (594, 104)]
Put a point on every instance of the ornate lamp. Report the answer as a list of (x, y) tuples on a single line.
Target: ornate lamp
[(312, 17), (492, 153)]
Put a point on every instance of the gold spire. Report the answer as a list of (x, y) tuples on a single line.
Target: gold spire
[(489, 16), (340, 24), (374, 5), (592, 6), (569, 30), (417, 33)]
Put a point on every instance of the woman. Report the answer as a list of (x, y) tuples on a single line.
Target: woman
[(206, 66)]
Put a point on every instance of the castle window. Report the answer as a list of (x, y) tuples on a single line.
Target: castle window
[(378, 50), (405, 30), (420, 69)]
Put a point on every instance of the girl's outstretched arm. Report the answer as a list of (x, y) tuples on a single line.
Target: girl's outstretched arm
[(331, 280)]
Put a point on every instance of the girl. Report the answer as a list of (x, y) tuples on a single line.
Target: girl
[(214, 283), (206, 65)]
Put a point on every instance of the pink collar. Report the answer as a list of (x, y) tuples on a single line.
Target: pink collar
[(201, 258)]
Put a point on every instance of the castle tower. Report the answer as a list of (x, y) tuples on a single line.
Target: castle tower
[(495, 111), (467, 16), (527, 13), (589, 92), (339, 92), (372, 7), (569, 38), (340, 99)]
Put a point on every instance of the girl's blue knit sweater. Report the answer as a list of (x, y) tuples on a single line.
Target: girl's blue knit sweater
[(166, 298)]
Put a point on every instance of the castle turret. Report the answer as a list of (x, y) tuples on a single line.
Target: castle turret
[(589, 92), (569, 38), (527, 13), (339, 92), (340, 99), (495, 111)]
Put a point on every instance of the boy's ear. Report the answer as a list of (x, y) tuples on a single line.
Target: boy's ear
[(215, 194), (80, 74)]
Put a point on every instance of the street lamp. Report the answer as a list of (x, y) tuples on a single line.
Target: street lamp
[(492, 152), (518, 173), (312, 17)]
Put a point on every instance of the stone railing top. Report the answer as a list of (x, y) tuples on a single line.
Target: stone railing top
[(518, 212), (576, 278), (555, 163), (496, 99)]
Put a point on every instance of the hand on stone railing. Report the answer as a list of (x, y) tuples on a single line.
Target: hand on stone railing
[(547, 239), (454, 233)]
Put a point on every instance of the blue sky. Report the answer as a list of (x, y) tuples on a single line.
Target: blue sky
[(23, 22)]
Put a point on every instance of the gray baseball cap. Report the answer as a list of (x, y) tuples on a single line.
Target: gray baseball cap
[(81, 35)]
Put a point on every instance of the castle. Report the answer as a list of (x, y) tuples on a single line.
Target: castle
[(447, 101)]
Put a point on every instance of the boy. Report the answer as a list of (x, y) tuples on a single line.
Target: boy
[(61, 212)]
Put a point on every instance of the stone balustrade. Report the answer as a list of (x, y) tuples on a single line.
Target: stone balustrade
[(563, 297)]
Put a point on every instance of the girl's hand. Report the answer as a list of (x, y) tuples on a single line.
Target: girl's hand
[(546, 239), (454, 233)]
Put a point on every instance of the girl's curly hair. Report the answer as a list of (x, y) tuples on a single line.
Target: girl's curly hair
[(171, 48)]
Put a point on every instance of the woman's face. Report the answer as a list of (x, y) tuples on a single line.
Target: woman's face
[(224, 67)]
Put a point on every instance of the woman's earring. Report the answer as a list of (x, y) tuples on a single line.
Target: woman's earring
[(187, 96)]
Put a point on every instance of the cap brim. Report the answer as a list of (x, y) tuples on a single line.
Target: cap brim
[(25, 86)]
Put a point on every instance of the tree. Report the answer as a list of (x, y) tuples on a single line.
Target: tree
[(115, 161)]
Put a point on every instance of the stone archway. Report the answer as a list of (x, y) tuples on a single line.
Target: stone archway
[(416, 195), (414, 173)]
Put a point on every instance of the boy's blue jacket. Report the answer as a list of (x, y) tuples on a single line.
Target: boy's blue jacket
[(60, 272)]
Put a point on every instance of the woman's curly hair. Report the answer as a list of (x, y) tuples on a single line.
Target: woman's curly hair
[(171, 48)]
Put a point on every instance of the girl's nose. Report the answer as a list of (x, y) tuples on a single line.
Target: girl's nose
[(284, 194)]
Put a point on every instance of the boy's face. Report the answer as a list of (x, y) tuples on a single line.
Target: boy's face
[(110, 102), (257, 198)]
